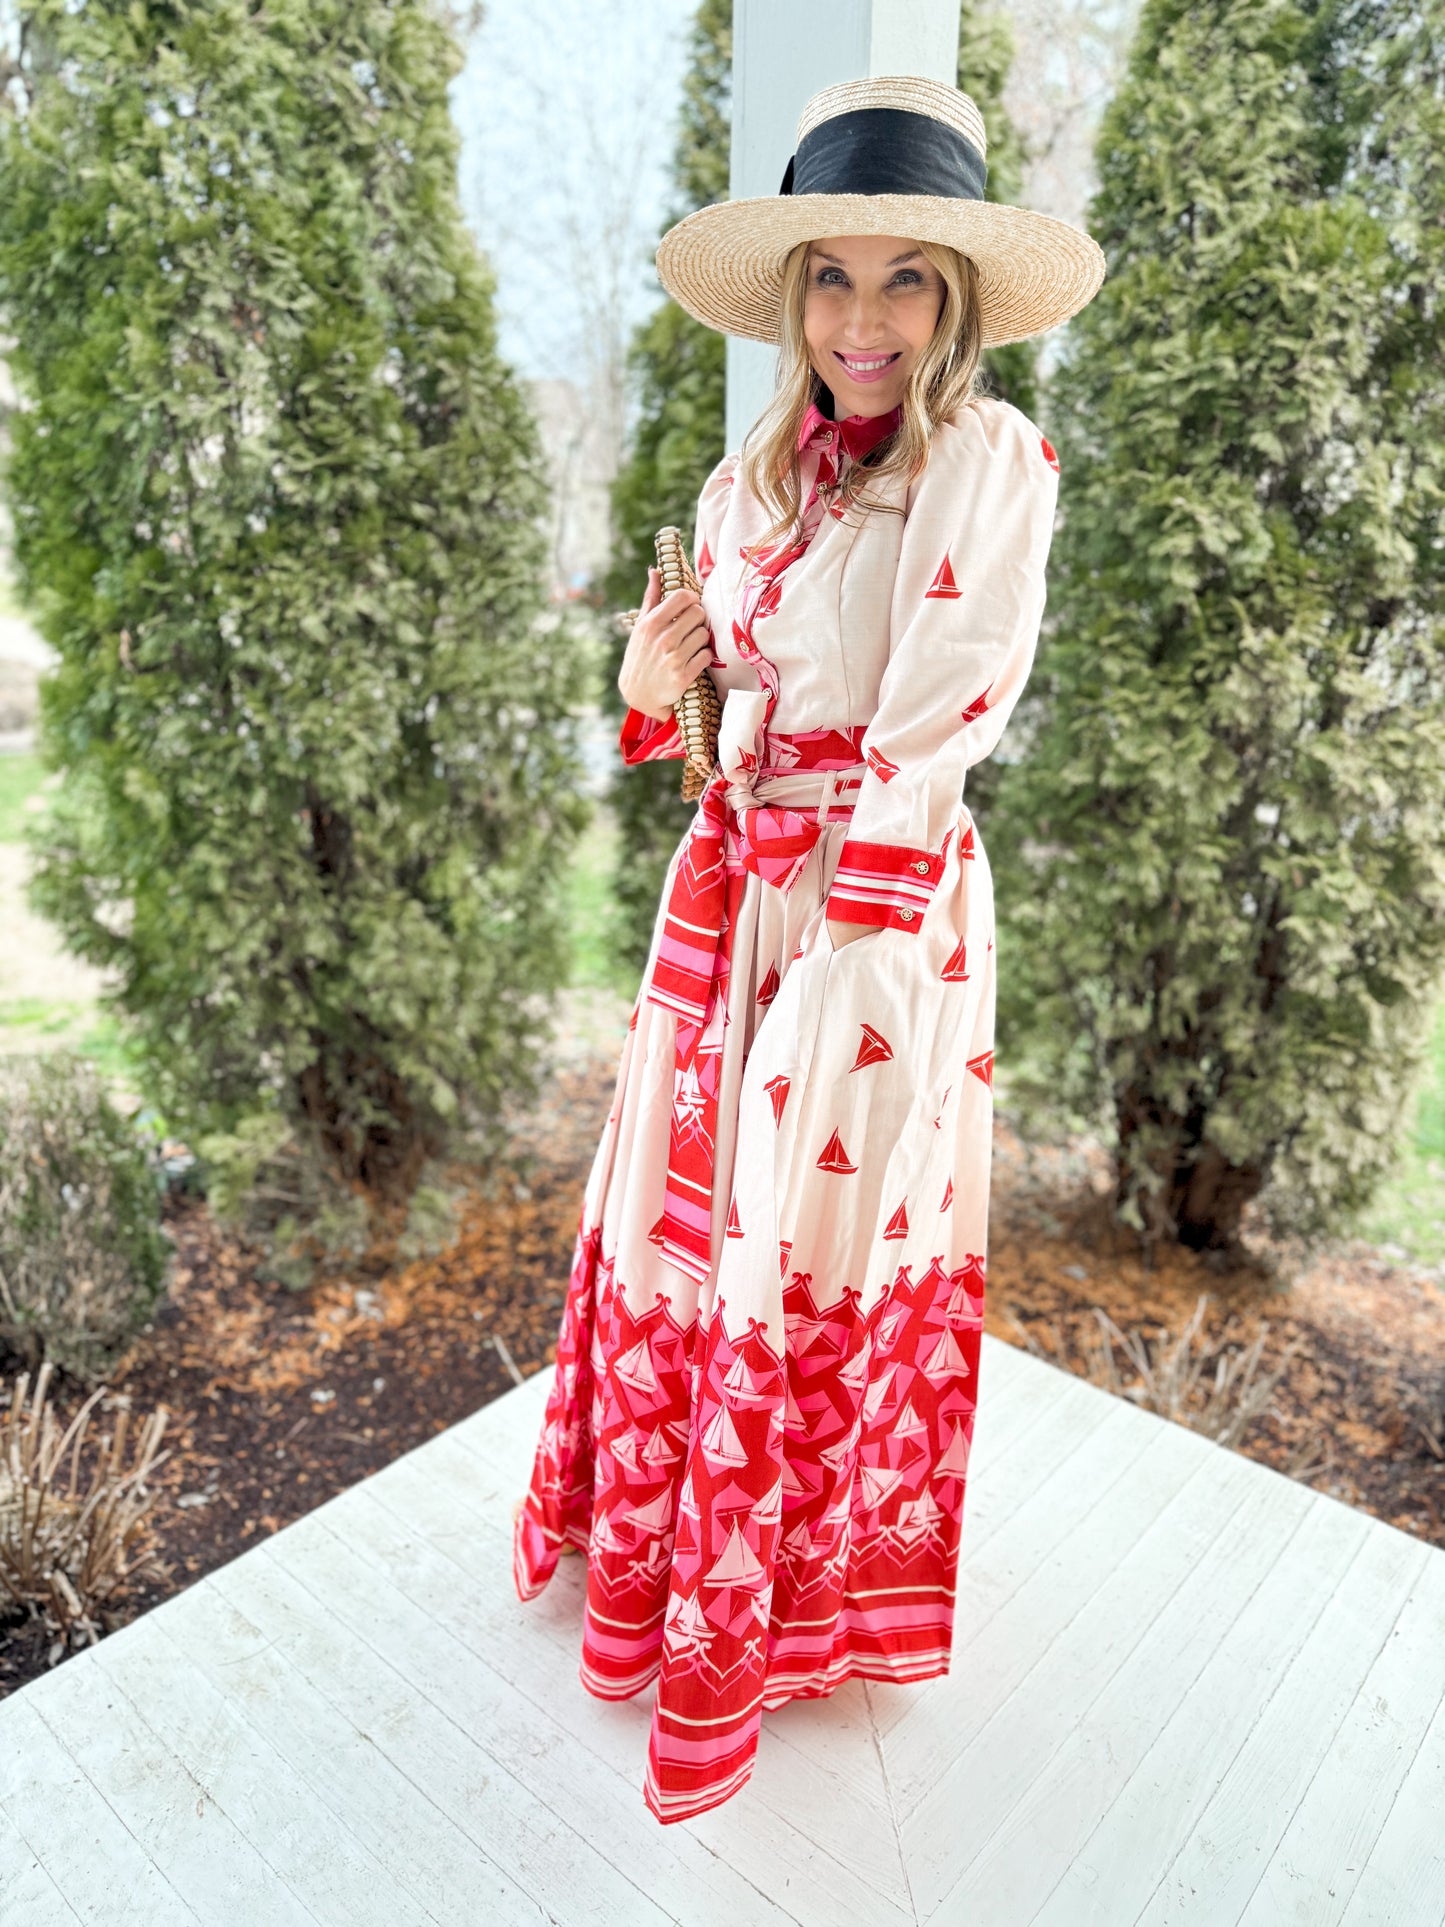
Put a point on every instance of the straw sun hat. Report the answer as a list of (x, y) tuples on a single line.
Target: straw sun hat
[(891, 155)]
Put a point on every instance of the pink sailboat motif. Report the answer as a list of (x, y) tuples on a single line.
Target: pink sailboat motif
[(799, 1542), (877, 1392), (720, 1440), (635, 1368), (908, 1424), (688, 1627), (878, 1481), (737, 1565), (855, 1372), (945, 1356), (742, 1382), (653, 1517), (662, 1448), (954, 1463)]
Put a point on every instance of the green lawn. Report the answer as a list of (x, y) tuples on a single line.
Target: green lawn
[(1409, 1208), (590, 905), (20, 779)]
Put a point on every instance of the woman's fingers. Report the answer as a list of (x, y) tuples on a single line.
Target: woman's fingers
[(684, 633), (699, 659), (654, 591)]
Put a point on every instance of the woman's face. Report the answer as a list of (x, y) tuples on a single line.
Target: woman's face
[(871, 306)]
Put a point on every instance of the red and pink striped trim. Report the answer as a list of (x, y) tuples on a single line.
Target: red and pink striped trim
[(887, 884), (646, 739)]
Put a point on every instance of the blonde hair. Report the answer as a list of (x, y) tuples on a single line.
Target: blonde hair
[(945, 378)]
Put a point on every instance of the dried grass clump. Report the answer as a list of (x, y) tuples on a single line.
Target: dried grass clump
[(1221, 1400), (71, 1541), (83, 1256)]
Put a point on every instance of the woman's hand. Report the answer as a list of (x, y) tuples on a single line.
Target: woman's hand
[(841, 933), (668, 649)]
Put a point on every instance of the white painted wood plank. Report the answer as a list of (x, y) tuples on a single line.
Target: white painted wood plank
[(103, 1871), (848, 1853), (1318, 1861), (1011, 1533), (600, 1802), (1404, 1877), (1116, 1869), (1037, 1457), (1070, 1628), (1238, 1828), (28, 1896), (438, 1731), (214, 1868), (1034, 1838), (507, 1427), (537, 1645), (1024, 1590), (257, 1637), (307, 1844)]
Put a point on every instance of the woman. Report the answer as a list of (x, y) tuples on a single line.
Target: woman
[(767, 1371)]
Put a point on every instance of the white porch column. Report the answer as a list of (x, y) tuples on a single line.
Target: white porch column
[(783, 52)]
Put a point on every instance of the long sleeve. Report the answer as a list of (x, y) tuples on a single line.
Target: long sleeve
[(647, 739), (967, 603)]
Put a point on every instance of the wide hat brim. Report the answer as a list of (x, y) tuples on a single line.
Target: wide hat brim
[(723, 264)]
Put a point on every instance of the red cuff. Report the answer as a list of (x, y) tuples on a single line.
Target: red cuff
[(883, 883), (644, 739)]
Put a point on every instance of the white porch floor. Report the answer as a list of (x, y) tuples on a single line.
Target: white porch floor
[(1184, 1689)]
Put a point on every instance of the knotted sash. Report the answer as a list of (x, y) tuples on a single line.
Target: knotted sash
[(767, 824)]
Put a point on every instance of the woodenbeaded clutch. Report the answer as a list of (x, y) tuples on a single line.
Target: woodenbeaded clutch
[(698, 709)]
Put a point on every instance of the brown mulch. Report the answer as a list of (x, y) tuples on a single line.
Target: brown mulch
[(279, 1401)]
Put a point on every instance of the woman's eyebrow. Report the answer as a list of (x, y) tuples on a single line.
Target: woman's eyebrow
[(823, 255)]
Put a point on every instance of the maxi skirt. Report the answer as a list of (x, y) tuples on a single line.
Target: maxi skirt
[(766, 1469)]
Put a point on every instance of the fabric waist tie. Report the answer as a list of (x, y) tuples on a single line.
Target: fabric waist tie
[(767, 823)]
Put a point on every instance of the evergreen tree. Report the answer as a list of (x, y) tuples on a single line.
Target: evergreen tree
[(679, 368), (1222, 879), (278, 504)]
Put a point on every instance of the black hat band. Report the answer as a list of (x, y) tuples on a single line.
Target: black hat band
[(886, 150)]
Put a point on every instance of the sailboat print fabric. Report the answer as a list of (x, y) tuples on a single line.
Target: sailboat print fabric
[(767, 1372)]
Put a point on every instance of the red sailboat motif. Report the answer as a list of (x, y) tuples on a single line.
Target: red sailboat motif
[(873, 1048), (897, 1225), (833, 1157), (955, 971), (943, 587)]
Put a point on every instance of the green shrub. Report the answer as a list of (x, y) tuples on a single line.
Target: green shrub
[(1220, 867), (83, 1257), (277, 505)]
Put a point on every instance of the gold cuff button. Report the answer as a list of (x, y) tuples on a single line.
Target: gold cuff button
[(922, 868), (907, 915)]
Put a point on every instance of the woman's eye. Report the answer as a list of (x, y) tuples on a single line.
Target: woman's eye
[(908, 278), (823, 273)]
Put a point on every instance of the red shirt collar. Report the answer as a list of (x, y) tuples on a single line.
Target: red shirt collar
[(857, 433)]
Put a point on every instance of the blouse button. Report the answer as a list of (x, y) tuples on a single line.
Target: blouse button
[(907, 915), (922, 868)]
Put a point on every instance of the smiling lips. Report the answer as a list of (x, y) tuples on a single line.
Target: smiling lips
[(867, 367)]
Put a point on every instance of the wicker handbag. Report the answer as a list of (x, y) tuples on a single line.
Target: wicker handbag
[(698, 709)]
